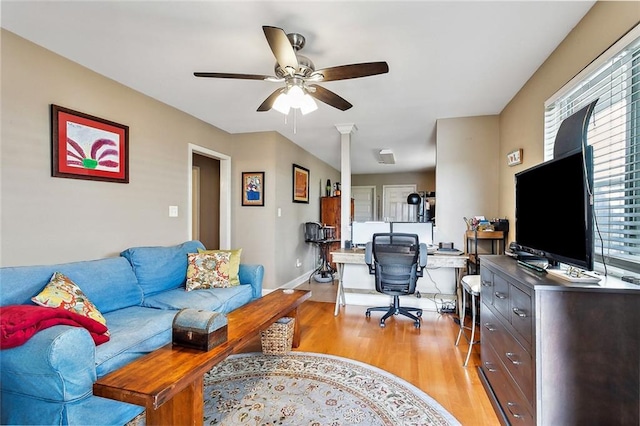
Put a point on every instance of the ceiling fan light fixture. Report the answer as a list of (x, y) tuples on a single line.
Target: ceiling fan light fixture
[(308, 104), (295, 95), (281, 104)]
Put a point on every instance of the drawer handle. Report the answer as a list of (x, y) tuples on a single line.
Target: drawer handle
[(513, 358), (486, 283), (489, 326), (500, 295), (490, 367), (519, 312), (516, 415)]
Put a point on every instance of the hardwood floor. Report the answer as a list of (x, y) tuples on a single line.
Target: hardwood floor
[(425, 357)]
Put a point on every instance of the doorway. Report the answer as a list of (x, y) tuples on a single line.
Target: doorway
[(205, 225), (209, 201)]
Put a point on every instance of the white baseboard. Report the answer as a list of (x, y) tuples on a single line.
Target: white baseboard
[(291, 284)]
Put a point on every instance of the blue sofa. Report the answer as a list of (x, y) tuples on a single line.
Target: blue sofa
[(49, 379)]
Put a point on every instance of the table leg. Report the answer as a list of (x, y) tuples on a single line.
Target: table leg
[(340, 294), (458, 276), (296, 328), (185, 408)]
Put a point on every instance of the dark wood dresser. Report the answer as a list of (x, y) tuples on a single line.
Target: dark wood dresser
[(559, 353)]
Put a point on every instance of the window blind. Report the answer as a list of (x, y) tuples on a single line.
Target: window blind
[(614, 134)]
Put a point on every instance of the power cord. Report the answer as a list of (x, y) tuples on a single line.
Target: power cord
[(442, 306)]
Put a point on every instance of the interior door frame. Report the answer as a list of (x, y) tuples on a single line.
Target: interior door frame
[(225, 193)]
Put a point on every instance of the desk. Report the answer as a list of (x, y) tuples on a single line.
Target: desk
[(350, 256), (472, 237)]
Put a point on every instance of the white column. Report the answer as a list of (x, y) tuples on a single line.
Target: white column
[(345, 179)]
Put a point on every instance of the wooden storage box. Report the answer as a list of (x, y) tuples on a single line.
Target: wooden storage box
[(198, 329)]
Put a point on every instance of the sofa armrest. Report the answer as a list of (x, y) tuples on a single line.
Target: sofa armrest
[(252, 275), (56, 364)]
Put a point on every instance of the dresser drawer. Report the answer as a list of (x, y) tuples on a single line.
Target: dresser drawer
[(486, 290), (501, 296), (517, 360), (521, 313), (513, 403)]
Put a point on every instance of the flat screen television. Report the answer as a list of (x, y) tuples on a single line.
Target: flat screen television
[(554, 211)]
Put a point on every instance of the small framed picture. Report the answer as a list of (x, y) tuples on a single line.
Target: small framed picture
[(300, 184), (514, 157), (253, 189), (88, 147)]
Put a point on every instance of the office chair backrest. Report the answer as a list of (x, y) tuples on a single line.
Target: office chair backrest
[(396, 260)]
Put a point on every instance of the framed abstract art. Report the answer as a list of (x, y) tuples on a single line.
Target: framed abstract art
[(88, 147), (300, 184)]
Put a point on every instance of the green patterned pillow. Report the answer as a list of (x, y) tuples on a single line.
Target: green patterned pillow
[(234, 267), (208, 270)]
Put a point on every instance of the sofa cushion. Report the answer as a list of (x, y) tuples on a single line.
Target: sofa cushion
[(207, 270), (100, 280), (135, 331), (160, 268), (223, 300)]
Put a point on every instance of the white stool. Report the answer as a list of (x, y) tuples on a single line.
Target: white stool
[(470, 284)]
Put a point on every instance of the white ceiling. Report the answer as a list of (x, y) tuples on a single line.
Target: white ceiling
[(446, 59)]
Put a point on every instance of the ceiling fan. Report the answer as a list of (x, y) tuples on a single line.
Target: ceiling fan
[(299, 75)]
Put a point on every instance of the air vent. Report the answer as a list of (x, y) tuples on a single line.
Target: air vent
[(386, 157)]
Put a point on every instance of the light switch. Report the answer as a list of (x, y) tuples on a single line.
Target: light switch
[(173, 211)]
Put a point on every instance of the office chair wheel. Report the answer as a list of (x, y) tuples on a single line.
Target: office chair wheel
[(417, 324), (419, 314), (367, 314), (382, 324)]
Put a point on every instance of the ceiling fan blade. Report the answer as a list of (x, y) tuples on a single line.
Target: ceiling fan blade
[(268, 103), (228, 75), (281, 48), (329, 98), (344, 72)]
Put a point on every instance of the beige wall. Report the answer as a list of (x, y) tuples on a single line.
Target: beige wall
[(277, 240), (47, 220), (50, 220), (425, 181), (467, 173), (522, 121)]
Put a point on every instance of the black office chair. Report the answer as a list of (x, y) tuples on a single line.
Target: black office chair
[(397, 261)]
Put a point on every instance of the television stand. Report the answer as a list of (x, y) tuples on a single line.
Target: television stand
[(582, 277)]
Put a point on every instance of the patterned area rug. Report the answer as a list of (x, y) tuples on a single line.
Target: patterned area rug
[(313, 389)]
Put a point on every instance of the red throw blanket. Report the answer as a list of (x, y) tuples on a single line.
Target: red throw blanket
[(18, 323)]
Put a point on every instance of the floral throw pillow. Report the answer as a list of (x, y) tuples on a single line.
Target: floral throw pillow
[(208, 270), (61, 292), (234, 263)]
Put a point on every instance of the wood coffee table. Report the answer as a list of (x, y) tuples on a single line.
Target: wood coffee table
[(169, 381)]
